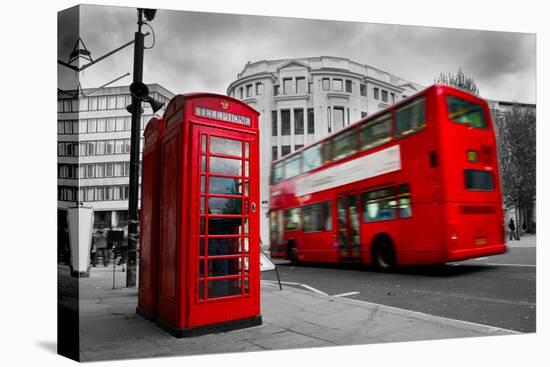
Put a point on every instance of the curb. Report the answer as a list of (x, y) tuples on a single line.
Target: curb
[(467, 325)]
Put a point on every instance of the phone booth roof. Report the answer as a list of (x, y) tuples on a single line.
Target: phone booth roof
[(155, 124), (228, 111)]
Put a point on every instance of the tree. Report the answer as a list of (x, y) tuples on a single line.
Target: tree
[(459, 80), (516, 136)]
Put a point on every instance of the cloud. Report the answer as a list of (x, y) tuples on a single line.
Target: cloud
[(197, 51)]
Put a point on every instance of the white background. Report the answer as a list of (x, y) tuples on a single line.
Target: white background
[(28, 191)]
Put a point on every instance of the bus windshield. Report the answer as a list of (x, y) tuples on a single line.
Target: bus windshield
[(466, 112)]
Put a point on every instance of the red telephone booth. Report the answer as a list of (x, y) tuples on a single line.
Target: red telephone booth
[(150, 219), (209, 277)]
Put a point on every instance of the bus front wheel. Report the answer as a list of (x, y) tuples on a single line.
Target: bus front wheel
[(384, 255)]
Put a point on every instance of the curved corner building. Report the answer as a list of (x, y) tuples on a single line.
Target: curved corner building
[(305, 99)]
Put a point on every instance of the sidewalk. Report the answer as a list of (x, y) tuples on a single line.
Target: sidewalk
[(292, 318), (527, 240)]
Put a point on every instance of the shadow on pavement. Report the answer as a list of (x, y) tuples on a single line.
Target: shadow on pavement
[(442, 270)]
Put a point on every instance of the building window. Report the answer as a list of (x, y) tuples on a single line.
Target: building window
[(285, 122), (110, 125), (259, 89), (329, 120), (287, 86), (309, 87), (338, 118), (349, 86), (375, 93), (285, 149), (102, 103), (384, 96), (273, 123), (274, 153), (111, 102), (299, 121), (275, 90), (121, 101), (109, 147), (83, 104), (392, 97), (337, 85), (298, 146), (301, 85), (100, 147), (326, 84), (249, 90), (363, 90), (310, 121), (241, 93), (363, 114), (101, 125), (119, 146)]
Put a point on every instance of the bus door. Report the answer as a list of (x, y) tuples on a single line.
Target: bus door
[(347, 226)]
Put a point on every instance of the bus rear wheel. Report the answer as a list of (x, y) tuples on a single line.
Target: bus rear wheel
[(384, 255)]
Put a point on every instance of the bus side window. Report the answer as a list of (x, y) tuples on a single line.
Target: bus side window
[(404, 196), (376, 132), (379, 205), (410, 118), (277, 173), (292, 219), (328, 216)]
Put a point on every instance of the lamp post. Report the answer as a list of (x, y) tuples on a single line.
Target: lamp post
[(139, 92)]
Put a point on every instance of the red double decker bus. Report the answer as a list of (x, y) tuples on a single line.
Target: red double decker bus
[(415, 183)]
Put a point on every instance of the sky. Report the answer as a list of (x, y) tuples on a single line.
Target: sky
[(199, 52)]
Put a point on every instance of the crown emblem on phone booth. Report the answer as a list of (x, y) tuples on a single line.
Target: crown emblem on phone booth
[(224, 105)]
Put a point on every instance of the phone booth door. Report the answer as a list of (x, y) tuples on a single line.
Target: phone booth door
[(224, 279)]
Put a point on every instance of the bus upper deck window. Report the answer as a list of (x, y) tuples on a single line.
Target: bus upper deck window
[(466, 112), (277, 173)]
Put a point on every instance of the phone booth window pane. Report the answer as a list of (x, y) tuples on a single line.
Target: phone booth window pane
[(203, 184), (225, 166), (201, 268), (224, 205), (246, 286), (203, 205), (223, 226), (246, 149), (222, 267), (203, 143), (202, 225), (245, 225), (226, 146), (201, 246), (203, 163), (246, 169), (223, 185), (224, 246), (246, 188), (201, 290), (224, 288)]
